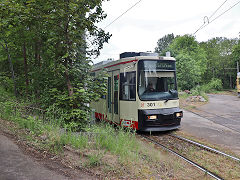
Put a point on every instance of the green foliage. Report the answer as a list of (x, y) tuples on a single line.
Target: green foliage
[(199, 63), (94, 160), (74, 108), (213, 85), (79, 141), (163, 44), (236, 52), (6, 83), (121, 142), (5, 95), (190, 59), (34, 125), (187, 72), (197, 91), (49, 50), (221, 60), (55, 139)]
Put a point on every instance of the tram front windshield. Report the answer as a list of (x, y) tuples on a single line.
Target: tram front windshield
[(157, 81)]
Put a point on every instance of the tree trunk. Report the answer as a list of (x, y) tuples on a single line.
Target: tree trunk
[(38, 65), (37, 53), (25, 67), (11, 68), (69, 85), (68, 61)]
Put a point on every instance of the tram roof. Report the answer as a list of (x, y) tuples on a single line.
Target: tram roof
[(110, 63)]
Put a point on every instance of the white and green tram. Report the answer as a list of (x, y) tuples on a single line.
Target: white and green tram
[(142, 92)]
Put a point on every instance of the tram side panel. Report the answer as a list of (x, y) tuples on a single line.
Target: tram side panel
[(100, 109), (238, 84), (127, 96), (128, 114)]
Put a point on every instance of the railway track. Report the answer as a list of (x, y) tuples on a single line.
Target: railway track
[(206, 147), (158, 140)]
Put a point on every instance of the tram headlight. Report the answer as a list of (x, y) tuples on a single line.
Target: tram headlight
[(152, 117), (179, 115)]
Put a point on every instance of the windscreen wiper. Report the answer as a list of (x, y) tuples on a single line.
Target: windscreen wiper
[(166, 100)]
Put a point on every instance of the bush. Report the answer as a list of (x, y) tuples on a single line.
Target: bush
[(6, 83), (197, 91), (214, 84)]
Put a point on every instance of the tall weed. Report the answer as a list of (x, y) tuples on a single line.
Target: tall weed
[(121, 142)]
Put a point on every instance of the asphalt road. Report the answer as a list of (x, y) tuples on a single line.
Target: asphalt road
[(15, 165), (18, 164), (224, 110), (217, 122)]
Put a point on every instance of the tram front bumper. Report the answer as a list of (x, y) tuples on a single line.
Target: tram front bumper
[(165, 119)]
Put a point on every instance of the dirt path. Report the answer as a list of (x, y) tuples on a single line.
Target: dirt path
[(217, 122), (15, 165), (17, 162)]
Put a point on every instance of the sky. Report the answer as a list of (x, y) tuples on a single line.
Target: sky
[(139, 29)]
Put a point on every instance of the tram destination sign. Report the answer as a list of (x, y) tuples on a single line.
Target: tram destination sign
[(157, 65)]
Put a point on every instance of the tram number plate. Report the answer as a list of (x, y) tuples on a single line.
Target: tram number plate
[(150, 104)]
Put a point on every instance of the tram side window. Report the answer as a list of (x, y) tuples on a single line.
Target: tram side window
[(109, 90), (128, 86)]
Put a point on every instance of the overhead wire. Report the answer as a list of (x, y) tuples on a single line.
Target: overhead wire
[(217, 9), (205, 20), (224, 12), (122, 14), (206, 17), (209, 22)]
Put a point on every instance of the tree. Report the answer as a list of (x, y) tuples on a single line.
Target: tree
[(220, 61), (163, 43), (5, 46), (236, 52), (190, 59), (188, 73), (51, 43)]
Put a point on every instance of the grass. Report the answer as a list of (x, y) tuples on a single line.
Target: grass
[(121, 142), (94, 160)]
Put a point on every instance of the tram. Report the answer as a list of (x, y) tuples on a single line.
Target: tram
[(238, 83), (141, 92)]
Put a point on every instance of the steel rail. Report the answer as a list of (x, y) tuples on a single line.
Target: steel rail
[(205, 147), (185, 159)]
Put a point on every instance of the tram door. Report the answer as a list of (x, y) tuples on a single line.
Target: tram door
[(109, 97), (115, 95)]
